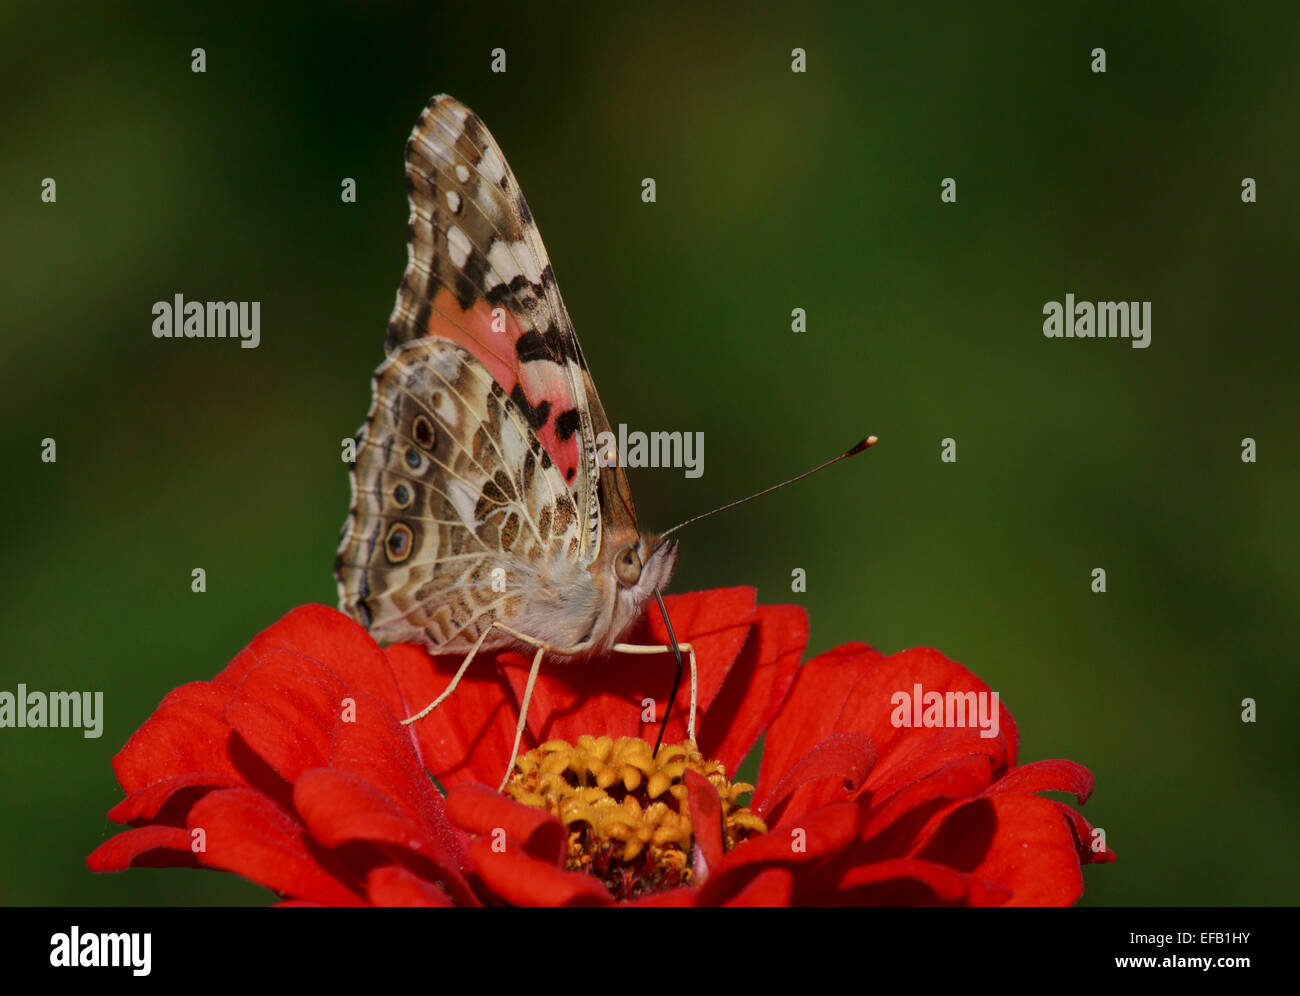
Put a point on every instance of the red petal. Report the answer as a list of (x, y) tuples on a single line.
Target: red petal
[(1045, 776), (683, 896), (824, 833), (524, 881), (285, 709), (951, 764), (392, 885), (187, 735), (248, 834), (846, 757), (377, 790), (144, 847), (148, 802), (771, 887), (339, 807), (329, 638), (863, 684), (184, 736), (1083, 842), (868, 709), (811, 711), (911, 882), (483, 812), (756, 685), (706, 823), (382, 752), (1019, 841), (894, 821)]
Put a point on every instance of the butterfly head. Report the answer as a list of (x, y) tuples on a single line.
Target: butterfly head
[(639, 568)]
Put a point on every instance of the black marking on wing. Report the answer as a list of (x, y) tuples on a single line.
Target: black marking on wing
[(567, 423), (536, 417), (504, 294), (548, 345), (532, 346), (469, 279)]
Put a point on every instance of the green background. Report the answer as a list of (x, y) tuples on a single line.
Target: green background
[(775, 190)]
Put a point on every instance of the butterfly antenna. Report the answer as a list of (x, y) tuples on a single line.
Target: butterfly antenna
[(677, 678), (866, 444)]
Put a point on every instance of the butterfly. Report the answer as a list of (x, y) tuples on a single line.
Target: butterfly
[(483, 515)]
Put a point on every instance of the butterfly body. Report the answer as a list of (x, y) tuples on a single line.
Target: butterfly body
[(480, 510)]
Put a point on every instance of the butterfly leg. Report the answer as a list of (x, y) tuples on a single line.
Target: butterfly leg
[(464, 666), (528, 689), (632, 648), (523, 714)]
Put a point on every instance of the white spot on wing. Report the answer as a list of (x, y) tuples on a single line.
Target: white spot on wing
[(462, 173), (463, 500), (491, 166), (446, 411), (453, 201), (458, 246), (507, 259), (513, 446), (446, 364), (437, 150)]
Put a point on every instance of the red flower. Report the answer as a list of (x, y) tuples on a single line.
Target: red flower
[(291, 768)]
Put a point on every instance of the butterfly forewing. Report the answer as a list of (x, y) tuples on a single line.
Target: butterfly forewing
[(478, 275)]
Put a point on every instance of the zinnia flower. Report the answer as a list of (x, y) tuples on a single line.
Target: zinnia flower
[(291, 768)]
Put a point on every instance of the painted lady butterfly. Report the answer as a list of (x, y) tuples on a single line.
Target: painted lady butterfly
[(481, 516)]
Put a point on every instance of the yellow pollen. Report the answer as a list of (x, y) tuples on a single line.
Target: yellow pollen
[(626, 810)]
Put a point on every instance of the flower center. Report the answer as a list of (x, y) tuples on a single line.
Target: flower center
[(626, 810)]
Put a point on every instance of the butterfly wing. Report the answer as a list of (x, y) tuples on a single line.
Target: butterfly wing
[(459, 515), (478, 275), (482, 352)]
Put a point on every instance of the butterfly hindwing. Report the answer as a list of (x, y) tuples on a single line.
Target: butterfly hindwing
[(458, 510)]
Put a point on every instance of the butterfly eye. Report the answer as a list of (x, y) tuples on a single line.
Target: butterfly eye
[(627, 565)]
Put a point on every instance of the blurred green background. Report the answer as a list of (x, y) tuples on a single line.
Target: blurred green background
[(775, 191)]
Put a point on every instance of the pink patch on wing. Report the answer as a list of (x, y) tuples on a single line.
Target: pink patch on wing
[(542, 382)]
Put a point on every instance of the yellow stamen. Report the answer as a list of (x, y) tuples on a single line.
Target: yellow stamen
[(625, 809)]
